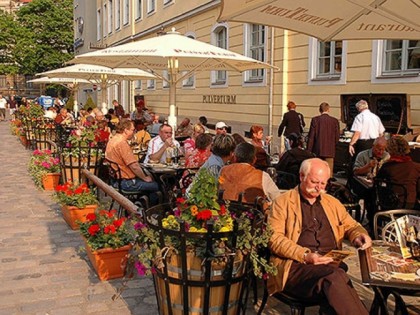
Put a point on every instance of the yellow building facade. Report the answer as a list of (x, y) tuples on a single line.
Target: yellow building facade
[(308, 72)]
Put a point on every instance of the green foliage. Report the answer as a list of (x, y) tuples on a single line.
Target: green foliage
[(41, 163), (8, 36), (71, 194), (103, 229), (89, 103), (70, 103), (200, 207), (43, 35)]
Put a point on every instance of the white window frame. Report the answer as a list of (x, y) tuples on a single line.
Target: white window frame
[(138, 10), (117, 14), (215, 81), (138, 85), (110, 16), (151, 84), (167, 2), (105, 20), (190, 81), (126, 12), (99, 29), (151, 6), (313, 77), (249, 76), (378, 76), (165, 84)]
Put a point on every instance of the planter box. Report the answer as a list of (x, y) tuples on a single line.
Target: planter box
[(50, 181), (108, 263), (72, 214)]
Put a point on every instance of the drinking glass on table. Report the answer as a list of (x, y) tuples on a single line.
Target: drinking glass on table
[(169, 156)]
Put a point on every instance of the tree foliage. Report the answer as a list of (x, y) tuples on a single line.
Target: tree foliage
[(41, 36), (8, 35)]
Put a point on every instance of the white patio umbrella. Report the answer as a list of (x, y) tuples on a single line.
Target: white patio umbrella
[(174, 53), (331, 19), (103, 76), (63, 81)]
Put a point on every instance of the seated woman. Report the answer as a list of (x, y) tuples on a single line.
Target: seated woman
[(189, 144), (401, 170), (201, 153), (257, 134), (141, 137)]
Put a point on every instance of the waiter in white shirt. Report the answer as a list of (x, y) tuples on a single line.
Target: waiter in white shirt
[(366, 127)]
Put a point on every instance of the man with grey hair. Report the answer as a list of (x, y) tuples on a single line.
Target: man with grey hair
[(366, 127), (307, 223)]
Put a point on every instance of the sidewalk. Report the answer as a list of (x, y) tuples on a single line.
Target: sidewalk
[(42, 271)]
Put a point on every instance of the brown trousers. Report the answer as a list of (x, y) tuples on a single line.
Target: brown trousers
[(328, 281)]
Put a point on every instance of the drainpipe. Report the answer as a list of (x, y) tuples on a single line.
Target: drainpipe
[(285, 83), (132, 91), (271, 89)]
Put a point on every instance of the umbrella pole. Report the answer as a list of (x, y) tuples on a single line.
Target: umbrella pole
[(172, 69)]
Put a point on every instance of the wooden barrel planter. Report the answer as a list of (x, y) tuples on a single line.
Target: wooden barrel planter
[(186, 284)]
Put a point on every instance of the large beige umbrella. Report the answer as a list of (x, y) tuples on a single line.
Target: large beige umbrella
[(63, 81), (103, 76), (331, 19), (174, 53)]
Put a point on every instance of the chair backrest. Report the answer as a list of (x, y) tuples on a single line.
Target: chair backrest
[(389, 232), (114, 173), (286, 180), (389, 195), (381, 219)]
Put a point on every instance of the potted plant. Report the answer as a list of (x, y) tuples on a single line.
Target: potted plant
[(76, 200), (80, 150), (107, 241), (44, 169), (201, 242)]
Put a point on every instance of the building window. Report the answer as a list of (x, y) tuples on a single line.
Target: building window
[(327, 62), (190, 81), (329, 59), (151, 84), (110, 16), (126, 12), (255, 48), (138, 9), (99, 28), (137, 84), (105, 21), (165, 2), (151, 6), (219, 39), (117, 14), (401, 57), (165, 83)]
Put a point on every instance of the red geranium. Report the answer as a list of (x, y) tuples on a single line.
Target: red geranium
[(91, 217), (204, 215), (93, 229), (110, 229)]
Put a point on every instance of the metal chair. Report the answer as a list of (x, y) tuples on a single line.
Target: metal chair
[(381, 219), (389, 195), (138, 197)]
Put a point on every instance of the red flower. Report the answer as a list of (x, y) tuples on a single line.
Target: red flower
[(204, 215), (78, 191), (110, 229), (222, 210), (180, 200), (91, 217), (93, 229), (103, 212), (113, 212), (60, 188), (69, 193), (118, 223)]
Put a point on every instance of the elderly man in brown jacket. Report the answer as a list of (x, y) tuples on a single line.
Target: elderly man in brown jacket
[(307, 224)]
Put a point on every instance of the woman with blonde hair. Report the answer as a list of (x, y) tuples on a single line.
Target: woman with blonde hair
[(189, 144)]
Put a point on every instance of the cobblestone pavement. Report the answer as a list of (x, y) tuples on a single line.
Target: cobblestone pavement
[(42, 270)]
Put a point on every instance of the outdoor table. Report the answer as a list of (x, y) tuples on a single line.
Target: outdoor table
[(364, 181), (387, 273)]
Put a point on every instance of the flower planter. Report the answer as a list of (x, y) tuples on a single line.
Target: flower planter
[(24, 141), (50, 181), (108, 263), (196, 295), (72, 214)]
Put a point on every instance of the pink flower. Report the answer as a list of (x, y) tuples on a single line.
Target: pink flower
[(46, 165), (141, 269), (139, 226)]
